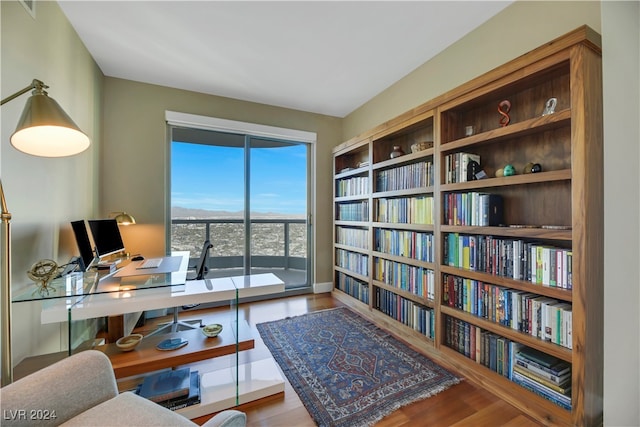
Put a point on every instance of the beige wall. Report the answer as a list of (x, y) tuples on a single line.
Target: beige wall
[(134, 157), (519, 28), (43, 195), (621, 88)]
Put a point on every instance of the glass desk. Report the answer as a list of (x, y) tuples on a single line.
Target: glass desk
[(225, 382)]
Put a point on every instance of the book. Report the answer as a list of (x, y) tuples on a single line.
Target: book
[(564, 387), (166, 385), (541, 372), (544, 362), (192, 398)]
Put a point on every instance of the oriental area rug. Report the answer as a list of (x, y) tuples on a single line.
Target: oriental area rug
[(346, 370)]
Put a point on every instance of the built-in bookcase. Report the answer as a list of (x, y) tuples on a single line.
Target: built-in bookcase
[(482, 243)]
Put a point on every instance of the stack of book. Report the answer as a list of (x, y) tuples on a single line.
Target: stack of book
[(173, 389), (543, 374)]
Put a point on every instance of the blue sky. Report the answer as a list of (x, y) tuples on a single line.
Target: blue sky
[(211, 177)]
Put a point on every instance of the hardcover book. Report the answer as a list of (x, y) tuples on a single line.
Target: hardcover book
[(192, 398), (166, 385)]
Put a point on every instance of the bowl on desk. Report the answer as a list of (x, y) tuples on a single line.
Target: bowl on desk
[(212, 330), (129, 342)]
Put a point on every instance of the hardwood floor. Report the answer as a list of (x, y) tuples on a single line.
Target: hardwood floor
[(461, 405)]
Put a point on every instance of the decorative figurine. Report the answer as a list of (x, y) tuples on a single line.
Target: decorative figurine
[(536, 168), (397, 152), (527, 168), (469, 130), (550, 106), (42, 272), (503, 108), (473, 168), (509, 170)]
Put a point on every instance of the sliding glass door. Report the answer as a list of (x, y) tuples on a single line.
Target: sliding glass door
[(248, 196)]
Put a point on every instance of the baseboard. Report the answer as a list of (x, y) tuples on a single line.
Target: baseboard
[(319, 288)]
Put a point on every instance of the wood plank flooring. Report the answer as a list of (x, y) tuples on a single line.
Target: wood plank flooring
[(461, 405)]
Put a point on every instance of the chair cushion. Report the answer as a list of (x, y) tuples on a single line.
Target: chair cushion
[(129, 409)]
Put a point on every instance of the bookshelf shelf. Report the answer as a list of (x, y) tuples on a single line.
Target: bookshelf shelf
[(550, 225), (527, 127), (558, 293), (545, 346), (532, 178)]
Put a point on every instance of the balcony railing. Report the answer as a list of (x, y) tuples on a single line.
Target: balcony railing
[(278, 243)]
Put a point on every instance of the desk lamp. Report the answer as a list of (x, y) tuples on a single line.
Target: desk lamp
[(123, 218), (44, 130)]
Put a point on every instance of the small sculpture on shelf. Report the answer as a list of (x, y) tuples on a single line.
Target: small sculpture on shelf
[(473, 168), (397, 152), (469, 130), (550, 106), (503, 108), (532, 168), (509, 170)]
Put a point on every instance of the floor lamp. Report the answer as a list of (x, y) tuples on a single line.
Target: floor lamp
[(44, 130)]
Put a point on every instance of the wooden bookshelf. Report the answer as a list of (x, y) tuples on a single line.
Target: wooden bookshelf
[(558, 211)]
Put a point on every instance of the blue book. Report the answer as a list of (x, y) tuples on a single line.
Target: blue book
[(166, 385)]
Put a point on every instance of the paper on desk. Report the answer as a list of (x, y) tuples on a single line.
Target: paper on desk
[(169, 264)]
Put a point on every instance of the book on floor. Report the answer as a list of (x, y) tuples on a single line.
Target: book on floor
[(166, 385), (192, 398)]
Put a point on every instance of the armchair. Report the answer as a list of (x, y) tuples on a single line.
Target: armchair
[(81, 390)]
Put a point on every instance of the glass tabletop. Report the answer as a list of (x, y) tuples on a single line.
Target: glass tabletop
[(93, 282)]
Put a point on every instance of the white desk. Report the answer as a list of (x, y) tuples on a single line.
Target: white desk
[(120, 295)]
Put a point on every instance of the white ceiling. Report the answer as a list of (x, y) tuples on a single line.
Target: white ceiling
[(326, 57)]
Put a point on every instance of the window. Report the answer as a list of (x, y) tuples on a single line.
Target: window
[(249, 195)]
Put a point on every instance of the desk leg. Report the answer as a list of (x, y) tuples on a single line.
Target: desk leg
[(115, 328), (121, 325)]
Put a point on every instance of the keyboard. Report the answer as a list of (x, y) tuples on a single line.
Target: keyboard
[(150, 263)]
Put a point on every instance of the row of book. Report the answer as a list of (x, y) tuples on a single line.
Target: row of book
[(174, 389), (456, 167), (353, 287), (353, 261), (473, 209), (539, 316), (416, 316), (352, 236), (405, 243), (414, 175), (354, 186), (543, 374), (518, 259), (406, 210), (353, 211), (417, 280)]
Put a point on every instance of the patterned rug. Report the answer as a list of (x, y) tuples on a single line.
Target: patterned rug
[(346, 370)]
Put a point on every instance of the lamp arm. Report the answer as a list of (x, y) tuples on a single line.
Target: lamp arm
[(3, 204), (35, 84)]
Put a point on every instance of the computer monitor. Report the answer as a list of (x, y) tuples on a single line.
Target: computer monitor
[(106, 236), (84, 244)]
